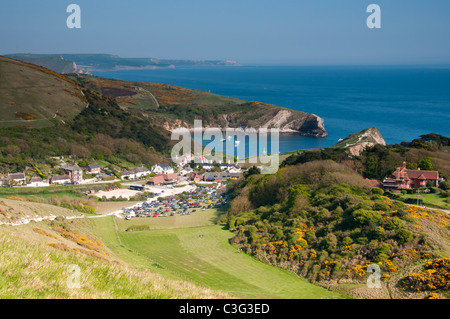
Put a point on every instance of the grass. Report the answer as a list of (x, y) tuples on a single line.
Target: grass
[(204, 256), (33, 90), (433, 200), (193, 248), (197, 219), (46, 195), (179, 257), (35, 270), (14, 210)]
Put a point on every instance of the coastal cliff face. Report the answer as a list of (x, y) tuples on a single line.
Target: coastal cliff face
[(287, 121), (356, 143)]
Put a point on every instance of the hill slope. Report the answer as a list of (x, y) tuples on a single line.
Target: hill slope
[(53, 62), (44, 260), (35, 96)]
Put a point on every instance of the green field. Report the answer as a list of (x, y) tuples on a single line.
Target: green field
[(433, 200), (194, 248)]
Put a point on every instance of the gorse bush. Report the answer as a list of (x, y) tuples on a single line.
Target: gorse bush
[(436, 276)]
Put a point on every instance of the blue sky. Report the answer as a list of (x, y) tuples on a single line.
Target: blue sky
[(249, 31)]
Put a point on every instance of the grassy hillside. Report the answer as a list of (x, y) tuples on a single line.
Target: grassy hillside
[(53, 62), (36, 97), (182, 257), (195, 249), (35, 260), (14, 210)]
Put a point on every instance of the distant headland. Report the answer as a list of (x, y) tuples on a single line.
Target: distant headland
[(87, 63)]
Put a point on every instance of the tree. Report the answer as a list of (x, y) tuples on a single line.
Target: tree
[(79, 151), (253, 171), (426, 164)]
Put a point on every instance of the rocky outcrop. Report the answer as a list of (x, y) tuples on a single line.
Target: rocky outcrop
[(306, 125), (294, 122), (287, 121), (356, 143)]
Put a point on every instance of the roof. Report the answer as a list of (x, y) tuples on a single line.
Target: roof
[(170, 176), (60, 177), (140, 169), (407, 174), (69, 167), (433, 175), (16, 176), (35, 179), (93, 166), (126, 173), (157, 179)]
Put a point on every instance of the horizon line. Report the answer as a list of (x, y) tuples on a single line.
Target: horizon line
[(416, 63)]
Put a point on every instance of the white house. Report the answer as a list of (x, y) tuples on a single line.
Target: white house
[(18, 178), (162, 169), (135, 173), (38, 182), (60, 179), (186, 170)]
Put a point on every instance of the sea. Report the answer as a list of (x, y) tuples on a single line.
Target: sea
[(403, 102)]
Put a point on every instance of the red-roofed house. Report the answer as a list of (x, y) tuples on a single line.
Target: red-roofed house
[(163, 179), (404, 178), (156, 180)]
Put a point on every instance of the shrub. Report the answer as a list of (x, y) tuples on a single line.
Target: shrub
[(381, 206), (380, 258), (346, 241), (395, 223), (366, 217), (404, 236), (138, 228), (434, 277), (377, 191), (377, 233)]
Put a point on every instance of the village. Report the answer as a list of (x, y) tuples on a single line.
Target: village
[(157, 175), (181, 187)]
